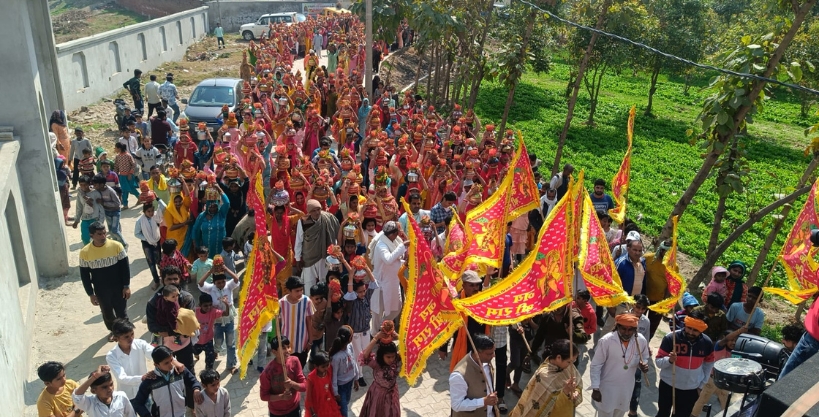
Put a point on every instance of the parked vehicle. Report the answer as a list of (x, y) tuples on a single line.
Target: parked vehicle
[(250, 31), (206, 101)]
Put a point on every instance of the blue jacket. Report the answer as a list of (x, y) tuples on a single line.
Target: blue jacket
[(170, 397), (626, 271)]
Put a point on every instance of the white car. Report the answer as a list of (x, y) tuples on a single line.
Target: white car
[(250, 31)]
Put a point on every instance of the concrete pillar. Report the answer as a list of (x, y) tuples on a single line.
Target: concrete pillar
[(27, 83)]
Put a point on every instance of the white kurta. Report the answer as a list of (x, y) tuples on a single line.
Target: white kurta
[(607, 374), (386, 263)]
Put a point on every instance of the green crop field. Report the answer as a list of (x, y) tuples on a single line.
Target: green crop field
[(663, 161)]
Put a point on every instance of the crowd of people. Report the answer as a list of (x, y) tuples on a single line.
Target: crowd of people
[(336, 158)]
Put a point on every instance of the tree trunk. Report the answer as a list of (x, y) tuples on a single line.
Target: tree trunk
[(522, 54), (712, 257), (739, 116), (476, 83), (653, 87), (687, 85), (429, 73), (594, 91), (715, 229), (769, 240), (576, 89), (418, 71)]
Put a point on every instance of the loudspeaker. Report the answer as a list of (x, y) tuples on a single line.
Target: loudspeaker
[(779, 396), (769, 354)]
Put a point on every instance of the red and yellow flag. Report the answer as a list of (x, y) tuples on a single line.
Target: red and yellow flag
[(258, 300), (485, 233), (676, 283), (428, 317), (542, 282), (524, 193), (619, 184), (595, 263), (798, 254)]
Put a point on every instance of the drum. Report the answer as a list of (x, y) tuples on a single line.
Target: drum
[(739, 375)]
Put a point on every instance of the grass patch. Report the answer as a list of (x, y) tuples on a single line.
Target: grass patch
[(74, 19), (663, 162)]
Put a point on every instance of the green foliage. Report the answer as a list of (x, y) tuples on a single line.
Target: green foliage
[(663, 162)]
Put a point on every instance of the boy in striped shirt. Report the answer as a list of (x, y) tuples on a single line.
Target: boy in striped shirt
[(296, 312)]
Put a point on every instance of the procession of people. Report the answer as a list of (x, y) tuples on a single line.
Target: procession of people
[(336, 157)]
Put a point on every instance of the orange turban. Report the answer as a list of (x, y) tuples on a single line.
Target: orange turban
[(695, 324), (627, 319)]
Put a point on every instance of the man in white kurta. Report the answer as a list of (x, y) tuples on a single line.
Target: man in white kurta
[(617, 356), (386, 251)]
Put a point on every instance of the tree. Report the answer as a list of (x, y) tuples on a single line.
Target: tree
[(805, 49), (517, 51), (581, 70), (627, 18), (681, 31), (737, 99)]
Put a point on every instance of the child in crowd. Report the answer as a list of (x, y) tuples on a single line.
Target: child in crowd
[(605, 221), (148, 155), (735, 284), (382, 396), (125, 167), (76, 152), (101, 156), (689, 302), (346, 372), (292, 306), (318, 295), (216, 398), (262, 349), (55, 399), (104, 401), (640, 310), (791, 334), (128, 359), (167, 307), (357, 308), (128, 140), (589, 315), (222, 293), (63, 174), (201, 265), (87, 163), (172, 256), (249, 244), (333, 320), (319, 400), (147, 231), (140, 127), (717, 284), (228, 255), (168, 390), (88, 209), (207, 316), (282, 394), (111, 177)]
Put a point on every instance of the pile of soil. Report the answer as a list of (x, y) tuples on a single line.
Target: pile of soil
[(72, 21)]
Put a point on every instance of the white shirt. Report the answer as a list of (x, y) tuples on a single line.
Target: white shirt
[(127, 369), (457, 392), (120, 406), (130, 142), (152, 92), (220, 408), (217, 295), (607, 373)]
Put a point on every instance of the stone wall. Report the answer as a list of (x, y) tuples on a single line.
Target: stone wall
[(96, 66)]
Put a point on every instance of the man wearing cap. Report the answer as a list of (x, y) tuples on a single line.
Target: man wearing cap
[(617, 356), (386, 250), (693, 359), (314, 234)]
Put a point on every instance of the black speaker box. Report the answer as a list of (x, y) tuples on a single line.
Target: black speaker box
[(779, 396)]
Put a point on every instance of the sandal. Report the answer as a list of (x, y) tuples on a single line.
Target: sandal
[(502, 407)]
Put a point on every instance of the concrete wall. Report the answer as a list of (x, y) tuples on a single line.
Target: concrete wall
[(234, 14), (96, 66), (18, 282)]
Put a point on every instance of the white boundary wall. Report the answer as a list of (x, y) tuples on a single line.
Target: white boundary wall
[(96, 66)]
